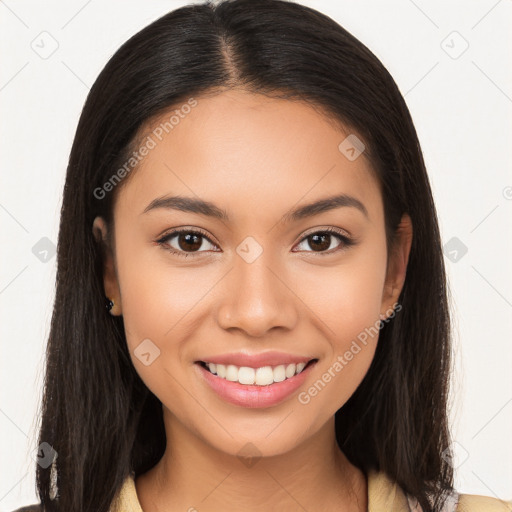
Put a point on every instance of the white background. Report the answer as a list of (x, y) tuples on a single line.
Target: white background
[(461, 108)]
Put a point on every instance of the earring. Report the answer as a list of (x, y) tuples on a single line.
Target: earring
[(53, 480), (110, 304)]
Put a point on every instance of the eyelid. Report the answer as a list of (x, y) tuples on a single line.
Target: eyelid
[(327, 229)]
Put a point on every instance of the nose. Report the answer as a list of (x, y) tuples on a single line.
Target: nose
[(256, 298)]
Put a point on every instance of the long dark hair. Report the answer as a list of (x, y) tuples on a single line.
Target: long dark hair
[(97, 414)]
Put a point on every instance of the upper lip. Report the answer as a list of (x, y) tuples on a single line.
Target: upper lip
[(272, 358)]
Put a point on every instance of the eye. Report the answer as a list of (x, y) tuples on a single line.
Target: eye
[(321, 241), (187, 241)]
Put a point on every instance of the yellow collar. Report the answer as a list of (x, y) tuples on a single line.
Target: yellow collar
[(383, 495)]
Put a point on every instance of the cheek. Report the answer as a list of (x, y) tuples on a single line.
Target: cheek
[(347, 297), (159, 308), (156, 296), (349, 307), (151, 306), (145, 307), (154, 317)]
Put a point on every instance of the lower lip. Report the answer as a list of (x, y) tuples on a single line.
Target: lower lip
[(253, 396)]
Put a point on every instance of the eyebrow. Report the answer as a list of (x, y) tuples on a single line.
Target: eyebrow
[(207, 208)]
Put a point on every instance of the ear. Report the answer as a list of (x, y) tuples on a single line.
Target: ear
[(110, 281), (397, 266)]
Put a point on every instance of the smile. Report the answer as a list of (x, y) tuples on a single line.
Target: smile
[(262, 376), (264, 386)]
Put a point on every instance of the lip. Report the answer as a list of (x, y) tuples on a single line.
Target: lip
[(271, 358), (253, 396)]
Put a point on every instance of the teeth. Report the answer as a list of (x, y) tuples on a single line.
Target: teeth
[(221, 370), (260, 376), (290, 370), (264, 376), (279, 375), (246, 375), (232, 373)]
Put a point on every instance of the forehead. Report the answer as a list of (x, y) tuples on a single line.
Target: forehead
[(247, 151)]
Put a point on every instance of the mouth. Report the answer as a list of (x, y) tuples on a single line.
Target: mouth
[(261, 376), (248, 387)]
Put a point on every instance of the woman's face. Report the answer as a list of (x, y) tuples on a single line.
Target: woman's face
[(257, 279)]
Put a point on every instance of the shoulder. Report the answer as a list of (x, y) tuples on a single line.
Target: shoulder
[(127, 499), (385, 494), (467, 503), (382, 493), (477, 503)]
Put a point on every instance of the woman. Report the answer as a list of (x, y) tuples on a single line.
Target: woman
[(247, 194)]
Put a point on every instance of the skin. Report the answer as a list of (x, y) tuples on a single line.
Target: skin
[(248, 153)]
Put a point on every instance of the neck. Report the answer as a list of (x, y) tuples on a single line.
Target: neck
[(194, 475)]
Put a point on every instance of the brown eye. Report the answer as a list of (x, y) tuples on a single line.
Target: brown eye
[(190, 241), (184, 242), (321, 241)]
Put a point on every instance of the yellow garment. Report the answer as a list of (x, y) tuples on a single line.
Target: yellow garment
[(383, 496)]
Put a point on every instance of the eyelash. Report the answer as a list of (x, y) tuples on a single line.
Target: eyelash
[(346, 241)]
